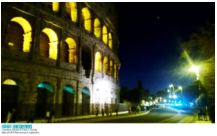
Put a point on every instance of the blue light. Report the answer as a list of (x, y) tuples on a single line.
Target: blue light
[(86, 91), (69, 89), (45, 86)]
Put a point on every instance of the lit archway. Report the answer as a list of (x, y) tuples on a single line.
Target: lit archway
[(9, 97), (9, 82), (55, 6), (44, 99), (110, 40), (86, 19), (49, 45), (104, 34), (105, 65), (85, 100), (115, 71), (71, 10), (72, 50), (111, 67), (68, 100), (15, 37), (97, 28), (98, 62)]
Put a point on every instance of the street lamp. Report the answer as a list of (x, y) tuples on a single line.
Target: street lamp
[(195, 69), (171, 85), (180, 88)]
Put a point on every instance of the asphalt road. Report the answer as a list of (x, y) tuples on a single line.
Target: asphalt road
[(157, 115)]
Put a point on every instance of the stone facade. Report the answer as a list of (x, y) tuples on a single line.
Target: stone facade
[(67, 85)]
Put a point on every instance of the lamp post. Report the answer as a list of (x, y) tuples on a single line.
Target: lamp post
[(196, 70)]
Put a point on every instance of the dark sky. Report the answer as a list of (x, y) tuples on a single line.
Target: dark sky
[(150, 34)]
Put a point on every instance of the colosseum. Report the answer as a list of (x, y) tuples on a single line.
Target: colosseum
[(60, 57)]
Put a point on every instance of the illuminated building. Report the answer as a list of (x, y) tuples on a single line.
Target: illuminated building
[(59, 56)]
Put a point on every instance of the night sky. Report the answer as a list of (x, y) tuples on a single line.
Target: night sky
[(150, 35)]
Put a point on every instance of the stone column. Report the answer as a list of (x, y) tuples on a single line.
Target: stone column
[(36, 39), (58, 98), (27, 38)]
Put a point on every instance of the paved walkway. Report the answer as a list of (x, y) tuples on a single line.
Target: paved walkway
[(64, 119), (189, 119)]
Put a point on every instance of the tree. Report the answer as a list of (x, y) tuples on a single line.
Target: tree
[(124, 94), (135, 95), (201, 49), (162, 93), (138, 94)]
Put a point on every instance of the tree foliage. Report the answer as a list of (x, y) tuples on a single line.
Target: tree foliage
[(201, 49), (135, 95)]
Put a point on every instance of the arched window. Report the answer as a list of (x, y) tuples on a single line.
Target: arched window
[(45, 96), (68, 100), (72, 50), (9, 97), (110, 40), (9, 82), (105, 64), (71, 10), (86, 19), (115, 71), (55, 6), (104, 35), (48, 43), (98, 62), (111, 67), (85, 92), (19, 34), (97, 28)]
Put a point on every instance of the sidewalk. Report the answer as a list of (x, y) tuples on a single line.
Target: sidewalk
[(74, 118), (194, 119), (201, 121)]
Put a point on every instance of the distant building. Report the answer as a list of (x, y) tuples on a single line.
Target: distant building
[(60, 57)]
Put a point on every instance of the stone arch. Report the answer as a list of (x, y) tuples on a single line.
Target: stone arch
[(19, 34), (86, 16), (98, 61), (9, 97), (97, 28), (115, 71), (105, 65), (45, 93), (55, 6), (49, 43), (71, 10), (68, 100), (111, 67), (110, 41), (85, 92), (104, 34), (70, 52)]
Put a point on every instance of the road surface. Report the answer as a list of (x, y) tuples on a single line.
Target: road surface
[(156, 115)]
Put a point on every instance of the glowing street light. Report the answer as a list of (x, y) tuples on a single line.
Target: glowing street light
[(180, 88), (195, 69), (171, 85)]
